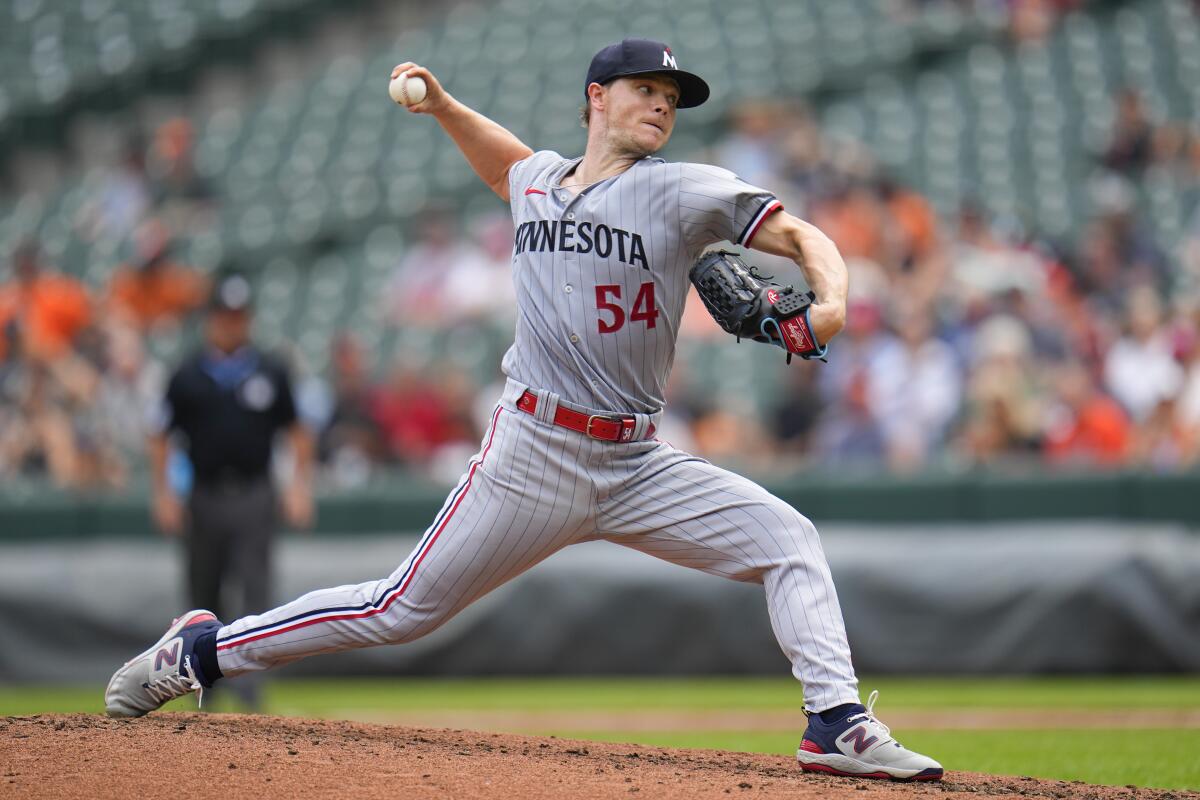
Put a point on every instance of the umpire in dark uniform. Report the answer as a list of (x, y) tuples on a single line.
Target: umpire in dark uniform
[(229, 401)]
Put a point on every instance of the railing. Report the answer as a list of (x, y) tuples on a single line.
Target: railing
[(405, 505)]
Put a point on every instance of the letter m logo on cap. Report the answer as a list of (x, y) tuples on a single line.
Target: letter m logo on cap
[(669, 60)]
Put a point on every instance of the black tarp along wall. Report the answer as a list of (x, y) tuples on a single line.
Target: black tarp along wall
[(1022, 598)]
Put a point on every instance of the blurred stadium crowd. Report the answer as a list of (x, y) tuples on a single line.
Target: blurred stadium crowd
[(974, 337), (975, 340)]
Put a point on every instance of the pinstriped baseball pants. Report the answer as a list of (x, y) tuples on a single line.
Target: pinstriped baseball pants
[(533, 489)]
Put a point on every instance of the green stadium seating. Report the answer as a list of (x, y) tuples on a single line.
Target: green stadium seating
[(52, 49), (324, 163)]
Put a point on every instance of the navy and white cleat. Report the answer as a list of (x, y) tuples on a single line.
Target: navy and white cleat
[(167, 670), (860, 746)]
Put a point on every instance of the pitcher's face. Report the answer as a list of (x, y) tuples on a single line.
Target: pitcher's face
[(640, 113)]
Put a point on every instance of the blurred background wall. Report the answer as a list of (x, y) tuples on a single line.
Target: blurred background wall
[(1015, 185)]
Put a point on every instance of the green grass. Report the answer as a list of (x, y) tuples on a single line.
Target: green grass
[(741, 693), (1160, 758), (323, 697)]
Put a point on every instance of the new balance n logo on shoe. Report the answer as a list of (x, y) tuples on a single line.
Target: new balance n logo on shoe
[(168, 655), (861, 740)]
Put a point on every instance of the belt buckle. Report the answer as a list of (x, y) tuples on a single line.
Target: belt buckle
[(603, 418)]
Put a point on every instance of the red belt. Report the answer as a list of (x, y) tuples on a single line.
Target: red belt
[(607, 427)]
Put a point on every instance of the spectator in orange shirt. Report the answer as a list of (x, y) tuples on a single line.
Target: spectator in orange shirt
[(914, 218), (853, 216), (45, 312), (1087, 427), (154, 290), (919, 262)]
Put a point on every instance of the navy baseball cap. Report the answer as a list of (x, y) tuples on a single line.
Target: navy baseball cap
[(231, 293), (640, 56)]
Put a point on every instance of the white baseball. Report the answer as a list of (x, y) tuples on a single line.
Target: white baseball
[(407, 90)]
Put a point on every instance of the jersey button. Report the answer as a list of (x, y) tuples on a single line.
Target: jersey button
[(574, 338), (568, 288), (570, 216)]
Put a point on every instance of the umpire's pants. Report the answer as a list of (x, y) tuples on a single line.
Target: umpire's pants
[(229, 545)]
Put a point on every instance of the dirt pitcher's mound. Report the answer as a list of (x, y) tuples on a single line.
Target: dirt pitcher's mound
[(198, 756)]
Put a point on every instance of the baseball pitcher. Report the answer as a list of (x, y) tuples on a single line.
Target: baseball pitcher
[(606, 248)]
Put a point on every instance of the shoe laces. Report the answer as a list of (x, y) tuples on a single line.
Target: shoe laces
[(169, 687), (869, 714)]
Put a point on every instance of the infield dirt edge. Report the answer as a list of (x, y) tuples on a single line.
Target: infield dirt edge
[(228, 756)]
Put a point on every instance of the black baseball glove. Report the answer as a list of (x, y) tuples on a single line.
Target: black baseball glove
[(752, 306)]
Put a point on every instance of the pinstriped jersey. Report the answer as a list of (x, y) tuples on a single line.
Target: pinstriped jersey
[(602, 276)]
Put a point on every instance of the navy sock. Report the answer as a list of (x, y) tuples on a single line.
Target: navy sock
[(205, 651), (838, 713)]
